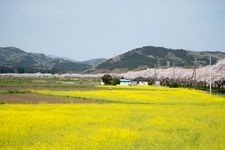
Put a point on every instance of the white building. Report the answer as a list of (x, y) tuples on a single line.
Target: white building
[(157, 82), (127, 82), (142, 83), (101, 83)]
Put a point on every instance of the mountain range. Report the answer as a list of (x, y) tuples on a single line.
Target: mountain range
[(150, 56), (16, 60), (13, 59), (94, 62)]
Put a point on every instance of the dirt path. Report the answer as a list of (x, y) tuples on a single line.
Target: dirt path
[(35, 98)]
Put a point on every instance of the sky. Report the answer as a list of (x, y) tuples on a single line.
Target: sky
[(86, 29)]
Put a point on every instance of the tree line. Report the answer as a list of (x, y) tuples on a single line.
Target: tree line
[(15, 69), (217, 86)]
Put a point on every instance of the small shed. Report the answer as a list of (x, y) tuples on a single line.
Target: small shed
[(101, 83), (143, 83), (157, 82), (127, 82)]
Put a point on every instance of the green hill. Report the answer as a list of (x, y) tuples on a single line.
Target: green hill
[(149, 56), (16, 60)]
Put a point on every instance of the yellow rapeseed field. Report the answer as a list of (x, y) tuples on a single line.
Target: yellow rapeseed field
[(141, 95), (137, 118)]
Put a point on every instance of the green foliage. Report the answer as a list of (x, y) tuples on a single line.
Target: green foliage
[(23, 83), (173, 85), (17, 91), (151, 81), (148, 57), (115, 81), (23, 62), (107, 79), (6, 69)]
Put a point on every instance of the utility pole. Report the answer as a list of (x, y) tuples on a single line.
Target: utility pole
[(210, 76), (155, 73), (194, 73), (168, 64), (156, 66), (158, 62), (173, 71)]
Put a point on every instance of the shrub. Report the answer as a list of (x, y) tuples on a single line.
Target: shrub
[(107, 79), (115, 81)]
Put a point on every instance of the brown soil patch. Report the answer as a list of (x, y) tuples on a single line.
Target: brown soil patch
[(28, 98), (5, 88)]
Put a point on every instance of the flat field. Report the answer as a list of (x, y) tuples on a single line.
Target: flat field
[(122, 118)]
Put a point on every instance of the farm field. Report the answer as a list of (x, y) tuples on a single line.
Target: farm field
[(139, 117)]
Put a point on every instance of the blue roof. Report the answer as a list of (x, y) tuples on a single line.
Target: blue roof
[(124, 80)]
